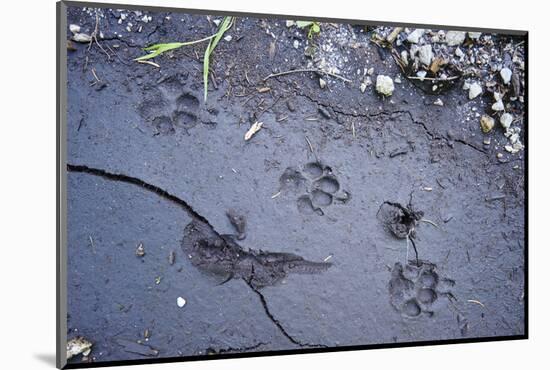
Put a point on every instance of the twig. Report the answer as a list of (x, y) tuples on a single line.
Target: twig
[(149, 62), (433, 78), (429, 222), (306, 70), (476, 302), (92, 244)]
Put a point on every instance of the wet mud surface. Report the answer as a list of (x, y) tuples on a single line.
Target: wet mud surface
[(348, 219)]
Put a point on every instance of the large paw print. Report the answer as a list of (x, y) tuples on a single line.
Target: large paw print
[(318, 186), (416, 287), (169, 107)]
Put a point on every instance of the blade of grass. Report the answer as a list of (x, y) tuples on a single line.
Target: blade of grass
[(158, 49), (224, 26)]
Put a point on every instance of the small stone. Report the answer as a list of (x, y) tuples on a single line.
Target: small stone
[(474, 90), (459, 53), (322, 83), (74, 28), (228, 38), (123, 16), (384, 85), (217, 22), (296, 44), (82, 37), (145, 19), (498, 106), (474, 35), (455, 38), (140, 250), (325, 112), (499, 155), (405, 57), (370, 71), (363, 87), (425, 54), (397, 80), (438, 102), (506, 120), (487, 141), (506, 75), (181, 302), (487, 123), (290, 23), (421, 75), (415, 36)]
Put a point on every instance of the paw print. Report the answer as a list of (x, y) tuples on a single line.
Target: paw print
[(316, 185), (170, 107), (416, 287)]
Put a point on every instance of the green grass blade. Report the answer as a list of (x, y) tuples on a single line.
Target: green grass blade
[(158, 49), (224, 26)]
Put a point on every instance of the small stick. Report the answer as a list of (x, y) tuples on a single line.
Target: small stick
[(433, 78), (275, 195), (429, 222), (149, 62), (306, 70), (92, 244), (476, 302)]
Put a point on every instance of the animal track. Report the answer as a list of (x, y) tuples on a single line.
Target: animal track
[(416, 287), (318, 187), (169, 107)]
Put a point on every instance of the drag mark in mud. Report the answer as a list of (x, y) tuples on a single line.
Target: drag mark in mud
[(221, 255), (318, 186)]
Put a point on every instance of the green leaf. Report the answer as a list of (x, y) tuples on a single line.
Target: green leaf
[(158, 49), (224, 26), (315, 27), (303, 24)]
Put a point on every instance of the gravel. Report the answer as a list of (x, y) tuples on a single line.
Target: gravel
[(384, 85), (506, 75), (415, 36), (506, 120), (474, 90), (498, 106), (425, 54), (455, 38), (487, 123)]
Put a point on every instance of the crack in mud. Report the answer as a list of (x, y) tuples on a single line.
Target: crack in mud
[(136, 181), (277, 322), (430, 134), (284, 261)]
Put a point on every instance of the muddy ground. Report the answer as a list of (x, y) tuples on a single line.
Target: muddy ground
[(320, 262)]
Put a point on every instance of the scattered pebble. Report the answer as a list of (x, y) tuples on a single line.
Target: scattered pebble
[(498, 106), (438, 102), (425, 54), (296, 44), (74, 28), (181, 302), (322, 83), (506, 120), (228, 38), (140, 250), (474, 90), (82, 37), (455, 38), (506, 75), (474, 35), (487, 123), (384, 85), (421, 74), (415, 36)]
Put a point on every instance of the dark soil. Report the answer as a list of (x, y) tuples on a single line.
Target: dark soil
[(150, 162)]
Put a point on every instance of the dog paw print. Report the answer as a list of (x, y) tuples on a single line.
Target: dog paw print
[(415, 288), (316, 185), (169, 107)]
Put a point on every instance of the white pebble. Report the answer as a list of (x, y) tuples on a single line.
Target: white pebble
[(506, 120), (475, 90), (455, 38), (181, 302), (384, 85), (415, 36), (498, 106), (74, 28), (506, 75)]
